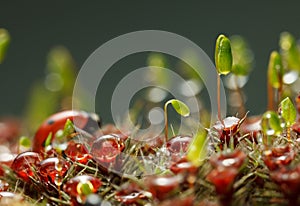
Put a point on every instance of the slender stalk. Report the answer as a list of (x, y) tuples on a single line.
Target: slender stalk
[(166, 122), (219, 99), (270, 96), (279, 90), (288, 133)]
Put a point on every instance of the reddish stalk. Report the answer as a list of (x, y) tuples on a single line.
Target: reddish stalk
[(270, 96), (219, 98)]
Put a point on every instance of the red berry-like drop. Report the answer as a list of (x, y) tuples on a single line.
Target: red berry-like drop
[(233, 159), (183, 166), (130, 194), (226, 168), (278, 157), (223, 178), (24, 165), (288, 180), (226, 129), (178, 146), (162, 186), (106, 148), (77, 152), (52, 170), (80, 186)]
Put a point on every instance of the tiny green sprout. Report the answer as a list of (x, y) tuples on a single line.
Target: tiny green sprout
[(288, 113), (25, 142), (4, 42), (48, 140), (179, 107), (223, 61), (68, 128), (197, 151), (275, 75), (85, 188)]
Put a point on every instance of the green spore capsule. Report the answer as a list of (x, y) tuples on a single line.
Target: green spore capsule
[(4, 42), (275, 70), (223, 55)]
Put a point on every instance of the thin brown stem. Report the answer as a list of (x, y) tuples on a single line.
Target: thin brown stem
[(219, 100), (288, 130), (270, 96), (166, 122)]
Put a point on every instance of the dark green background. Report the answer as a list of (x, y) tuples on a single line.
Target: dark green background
[(82, 26)]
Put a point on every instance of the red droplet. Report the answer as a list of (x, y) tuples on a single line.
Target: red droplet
[(24, 165), (162, 186), (183, 166), (223, 179), (52, 168), (288, 179), (130, 194), (77, 152), (233, 159), (227, 129), (72, 186), (106, 148), (179, 144), (278, 157)]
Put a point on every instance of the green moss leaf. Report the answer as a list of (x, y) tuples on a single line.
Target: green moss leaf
[(197, 151), (275, 70), (48, 140), (68, 128), (180, 107), (4, 42), (288, 111), (223, 55)]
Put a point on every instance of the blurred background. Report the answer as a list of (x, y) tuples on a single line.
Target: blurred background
[(36, 27)]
